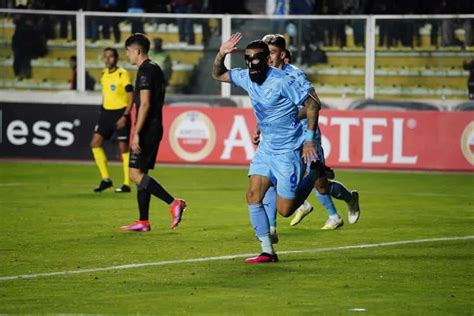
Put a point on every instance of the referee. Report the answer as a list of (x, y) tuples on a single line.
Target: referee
[(148, 131), (114, 119)]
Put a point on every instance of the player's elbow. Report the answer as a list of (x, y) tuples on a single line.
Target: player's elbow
[(217, 77), (221, 77)]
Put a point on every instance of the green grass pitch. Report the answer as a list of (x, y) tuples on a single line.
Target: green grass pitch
[(51, 221)]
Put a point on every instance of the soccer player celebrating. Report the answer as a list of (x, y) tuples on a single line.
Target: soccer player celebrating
[(274, 96), (324, 187), (147, 133), (114, 119)]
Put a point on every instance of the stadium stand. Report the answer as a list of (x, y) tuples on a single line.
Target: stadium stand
[(401, 72), (52, 72)]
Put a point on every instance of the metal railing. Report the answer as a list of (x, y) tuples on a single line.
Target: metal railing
[(226, 29)]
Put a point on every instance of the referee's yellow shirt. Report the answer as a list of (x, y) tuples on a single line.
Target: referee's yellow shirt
[(113, 88)]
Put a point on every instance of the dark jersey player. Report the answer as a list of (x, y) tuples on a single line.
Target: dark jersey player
[(148, 99)]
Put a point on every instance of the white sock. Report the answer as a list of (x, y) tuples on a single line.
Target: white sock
[(266, 244)]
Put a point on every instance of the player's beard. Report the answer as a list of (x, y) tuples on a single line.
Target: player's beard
[(259, 76)]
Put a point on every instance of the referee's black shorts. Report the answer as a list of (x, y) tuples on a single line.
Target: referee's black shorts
[(107, 128), (150, 138)]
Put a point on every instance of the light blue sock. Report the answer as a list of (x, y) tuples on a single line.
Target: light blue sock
[(339, 191), (269, 204), (261, 226), (326, 202)]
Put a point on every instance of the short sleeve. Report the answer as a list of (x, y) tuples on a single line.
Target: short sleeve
[(294, 90), (126, 82), (126, 78), (239, 77), (144, 79)]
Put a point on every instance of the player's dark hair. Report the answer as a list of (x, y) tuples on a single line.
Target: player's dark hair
[(140, 40), (288, 55), (113, 50), (259, 44), (277, 40)]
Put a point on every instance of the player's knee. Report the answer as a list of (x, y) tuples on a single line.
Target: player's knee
[(95, 143), (135, 176), (322, 186), (253, 197), (285, 212)]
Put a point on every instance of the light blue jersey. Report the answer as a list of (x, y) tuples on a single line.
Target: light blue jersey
[(275, 106), (297, 74)]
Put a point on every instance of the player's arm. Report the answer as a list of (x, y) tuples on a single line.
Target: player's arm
[(122, 122), (145, 96), (219, 70), (302, 112), (256, 135), (312, 105)]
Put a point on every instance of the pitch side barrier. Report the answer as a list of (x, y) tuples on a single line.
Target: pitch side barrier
[(195, 135)]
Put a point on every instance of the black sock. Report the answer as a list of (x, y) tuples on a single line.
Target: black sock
[(152, 186), (143, 198)]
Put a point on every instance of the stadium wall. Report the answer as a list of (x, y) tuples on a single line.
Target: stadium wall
[(193, 135)]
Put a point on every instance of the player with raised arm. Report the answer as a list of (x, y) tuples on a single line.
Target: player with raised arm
[(278, 162), (147, 133), (324, 186)]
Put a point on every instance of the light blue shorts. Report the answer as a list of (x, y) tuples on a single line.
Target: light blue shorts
[(285, 171)]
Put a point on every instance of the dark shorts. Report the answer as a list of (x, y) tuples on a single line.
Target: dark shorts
[(107, 128), (150, 138)]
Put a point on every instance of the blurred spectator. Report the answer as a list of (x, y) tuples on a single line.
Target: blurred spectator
[(449, 26), (66, 20), (336, 29), (230, 7), (185, 25), (203, 6), (90, 82), (22, 44), (469, 66), (387, 27), (358, 7), (158, 6), (447, 32), (162, 58), (278, 7), (106, 22), (136, 6)]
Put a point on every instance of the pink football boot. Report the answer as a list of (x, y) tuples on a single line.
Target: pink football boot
[(262, 258), (137, 226), (176, 210)]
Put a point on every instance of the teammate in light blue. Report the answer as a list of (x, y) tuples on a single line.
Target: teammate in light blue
[(324, 187), (274, 96)]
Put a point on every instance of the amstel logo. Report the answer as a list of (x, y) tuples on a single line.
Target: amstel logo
[(467, 143), (192, 136)]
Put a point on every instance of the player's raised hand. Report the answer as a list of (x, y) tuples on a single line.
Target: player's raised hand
[(309, 152), (231, 44)]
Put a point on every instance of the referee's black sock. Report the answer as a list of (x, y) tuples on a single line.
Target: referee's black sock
[(143, 198), (152, 186)]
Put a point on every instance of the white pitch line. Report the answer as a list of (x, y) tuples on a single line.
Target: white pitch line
[(229, 257)]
